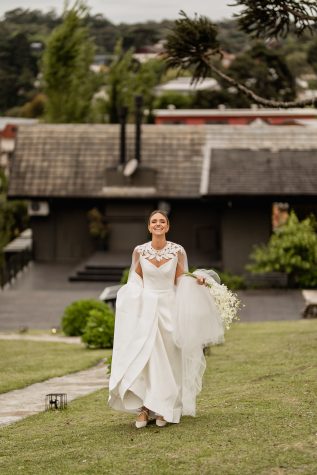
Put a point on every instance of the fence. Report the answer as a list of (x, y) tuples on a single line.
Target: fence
[(16, 255)]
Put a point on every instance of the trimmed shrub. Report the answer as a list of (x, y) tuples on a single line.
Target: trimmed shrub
[(99, 328), (76, 315), (232, 281), (125, 276), (291, 249)]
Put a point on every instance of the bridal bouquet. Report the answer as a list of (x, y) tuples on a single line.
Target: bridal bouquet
[(226, 301)]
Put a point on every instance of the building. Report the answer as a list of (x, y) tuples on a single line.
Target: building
[(8, 129), (236, 116), (219, 183), (185, 85)]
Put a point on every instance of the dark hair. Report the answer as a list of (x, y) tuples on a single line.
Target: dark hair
[(163, 213)]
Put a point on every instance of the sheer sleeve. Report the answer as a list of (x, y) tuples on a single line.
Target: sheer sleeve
[(135, 272), (182, 265)]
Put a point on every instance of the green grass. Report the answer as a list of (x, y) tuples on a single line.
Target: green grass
[(256, 416), (26, 362)]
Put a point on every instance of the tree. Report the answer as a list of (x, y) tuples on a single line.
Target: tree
[(193, 44), (18, 69), (273, 18), (69, 84), (291, 249), (140, 35), (265, 71), (119, 81), (13, 216), (213, 99), (128, 78), (179, 101), (312, 55)]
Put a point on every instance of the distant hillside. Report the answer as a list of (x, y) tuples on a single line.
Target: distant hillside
[(38, 25)]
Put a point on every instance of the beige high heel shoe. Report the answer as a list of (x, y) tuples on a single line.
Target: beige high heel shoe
[(142, 419), (160, 421)]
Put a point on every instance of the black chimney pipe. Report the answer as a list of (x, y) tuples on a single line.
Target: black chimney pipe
[(123, 112), (138, 121)]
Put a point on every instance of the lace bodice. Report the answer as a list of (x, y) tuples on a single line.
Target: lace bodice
[(168, 252), (159, 268)]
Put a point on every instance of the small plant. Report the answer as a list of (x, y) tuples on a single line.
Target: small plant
[(98, 227), (232, 281), (76, 315), (125, 275), (108, 363), (99, 329)]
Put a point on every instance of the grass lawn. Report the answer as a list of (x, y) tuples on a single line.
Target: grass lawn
[(256, 416), (26, 362)]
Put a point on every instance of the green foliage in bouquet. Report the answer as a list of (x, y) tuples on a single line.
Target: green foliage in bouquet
[(76, 315), (291, 249), (99, 328)]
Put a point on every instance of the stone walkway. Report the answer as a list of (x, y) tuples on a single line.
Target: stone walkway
[(20, 403), (50, 338), (39, 295)]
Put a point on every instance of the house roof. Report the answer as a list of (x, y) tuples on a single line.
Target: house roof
[(185, 84), (308, 114), (191, 161), (262, 172), (71, 160)]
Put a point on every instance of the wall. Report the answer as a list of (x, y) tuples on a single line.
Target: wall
[(63, 235), (242, 227)]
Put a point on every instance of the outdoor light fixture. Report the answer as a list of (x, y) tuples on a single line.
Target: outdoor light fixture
[(55, 401)]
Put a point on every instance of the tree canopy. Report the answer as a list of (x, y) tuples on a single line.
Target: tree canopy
[(25, 33), (18, 69), (68, 81), (194, 44), (292, 249)]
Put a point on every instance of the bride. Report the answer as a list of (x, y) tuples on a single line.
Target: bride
[(163, 321)]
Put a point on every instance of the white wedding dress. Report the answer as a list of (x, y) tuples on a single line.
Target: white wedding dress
[(160, 330)]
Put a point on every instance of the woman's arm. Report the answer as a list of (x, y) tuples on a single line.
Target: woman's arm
[(136, 264), (182, 267), (138, 270)]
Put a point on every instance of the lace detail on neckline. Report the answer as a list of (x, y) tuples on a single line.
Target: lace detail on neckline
[(169, 251)]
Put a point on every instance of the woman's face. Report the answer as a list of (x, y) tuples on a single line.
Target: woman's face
[(158, 224)]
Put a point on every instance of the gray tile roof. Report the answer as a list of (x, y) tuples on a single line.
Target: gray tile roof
[(263, 172), (70, 160)]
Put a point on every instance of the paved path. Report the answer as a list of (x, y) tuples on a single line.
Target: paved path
[(18, 404), (38, 297), (271, 304), (50, 338)]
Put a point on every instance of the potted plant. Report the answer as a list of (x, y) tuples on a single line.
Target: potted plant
[(98, 228)]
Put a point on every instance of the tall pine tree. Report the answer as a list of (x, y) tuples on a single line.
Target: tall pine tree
[(68, 80)]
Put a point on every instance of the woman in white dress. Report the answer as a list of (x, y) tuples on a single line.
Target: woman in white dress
[(163, 321)]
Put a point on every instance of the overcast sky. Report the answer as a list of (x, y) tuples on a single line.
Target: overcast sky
[(131, 11)]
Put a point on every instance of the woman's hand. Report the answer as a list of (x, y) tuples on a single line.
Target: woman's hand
[(201, 280)]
